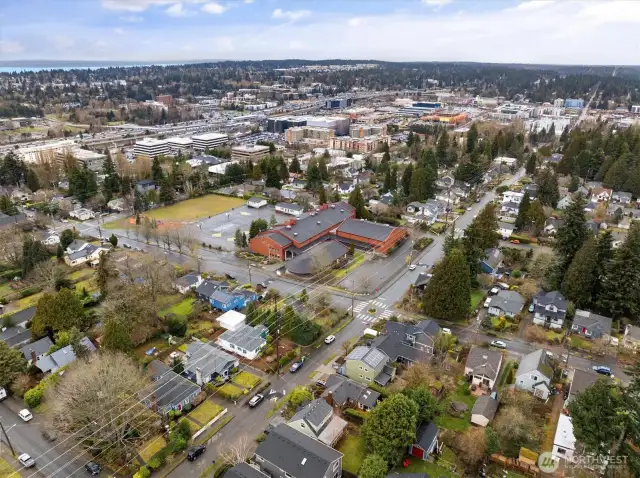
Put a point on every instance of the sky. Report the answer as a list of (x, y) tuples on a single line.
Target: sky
[(502, 31)]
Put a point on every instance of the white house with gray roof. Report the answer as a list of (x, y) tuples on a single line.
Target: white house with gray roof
[(535, 374), (289, 453), (246, 341), (318, 421), (550, 309), (204, 363), (483, 366), (507, 303)]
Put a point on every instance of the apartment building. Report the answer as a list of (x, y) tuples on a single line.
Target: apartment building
[(360, 145), (364, 130), (293, 135)]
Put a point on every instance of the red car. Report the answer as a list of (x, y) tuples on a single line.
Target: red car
[(515, 241)]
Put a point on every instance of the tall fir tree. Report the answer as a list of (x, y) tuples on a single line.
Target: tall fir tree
[(356, 199), (156, 170), (323, 196), (523, 219), (532, 164), (294, 167), (393, 184), (406, 179), (580, 278), (548, 192), (314, 179), (442, 147), (448, 293), (572, 233), (386, 186), (472, 138)]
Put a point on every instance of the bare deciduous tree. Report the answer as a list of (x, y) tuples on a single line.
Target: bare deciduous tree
[(147, 231), (237, 452), (113, 382), (177, 238), (167, 239), (49, 274)]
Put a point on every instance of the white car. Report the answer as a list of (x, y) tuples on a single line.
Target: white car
[(469, 208), (330, 339), (446, 331), (498, 344), (487, 302), (412, 267), (26, 460), (25, 414)]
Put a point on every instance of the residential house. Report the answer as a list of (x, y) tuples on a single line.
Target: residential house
[(625, 223), (256, 202), (492, 261), (426, 441), (232, 320), (15, 336), (552, 226), (145, 186), (550, 309), (344, 189), (89, 253), (507, 303), (592, 226), (51, 240), (445, 182), (426, 212), (580, 381), (204, 363), (564, 202), (509, 209), (116, 205), (512, 197), (422, 280), (318, 420), (368, 365), (631, 339), (599, 195), (408, 343), (535, 373), (169, 391), (621, 197), (62, 357), (36, 350), (244, 470), (591, 325), (346, 393), (246, 341), (82, 214), (484, 410), (225, 301), (76, 245), (591, 206), (247, 295), (531, 190), (483, 366), (564, 441), (287, 194), (206, 289), (289, 453), (505, 230), (448, 198), (290, 208), (188, 282)]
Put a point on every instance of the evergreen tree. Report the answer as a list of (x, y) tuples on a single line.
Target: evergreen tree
[(322, 167), (59, 252), (33, 252), (442, 147), (448, 293), (532, 164), (604, 168), (157, 174), (12, 363), (632, 184), (417, 188), (7, 206), (523, 218), (356, 199), (604, 255), (373, 466), (273, 176), (273, 221), (335, 196), (113, 239), (103, 274), (406, 179), (284, 172), (237, 238), (386, 187), (574, 184), (617, 174), (548, 192), (537, 217), (245, 242), (33, 183), (393, 185), (323, 196), (167, 193), (314, 179), (580, 279), (12, 170), (472, 138), (479, 236), (620, 292), (294, 167), (572, 233), (111, 182)]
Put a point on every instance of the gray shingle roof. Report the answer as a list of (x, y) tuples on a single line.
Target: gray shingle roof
[(15, 336), (485, 406), (207, 358), (22, 316), (296, 453), (426, 434), (493, 257), (307, 226), (39, 347), (169, 387), (62, 357), (393, 340), (367, 229), (344, 390), (244, 470), (583, 380), (279, 238), (76, 245), (188, 280), (292, 206), (207, 288), (314, 413), (246, 337), (317, 258), (536, 361), (592, 321), (508, 301), (484, 362)]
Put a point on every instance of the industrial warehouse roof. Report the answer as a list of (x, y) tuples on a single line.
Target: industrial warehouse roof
[(317, 258), (369, 230), (317, 221)]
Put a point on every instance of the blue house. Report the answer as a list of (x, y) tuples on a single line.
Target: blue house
[(492, 261), (207, 288), (247, 295), (225, 301)]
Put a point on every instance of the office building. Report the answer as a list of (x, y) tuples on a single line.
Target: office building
[(92, 160), (280, 125), (635, 109), (337, 103), (44, 152), (558, 103), (339, 124), (180, 144), (209, 141), (573, 103), (151, 147), (420, 108), (254, 152)]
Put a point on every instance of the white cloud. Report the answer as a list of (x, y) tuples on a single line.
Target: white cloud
[(139, 5), (132, 19), (214, 8), (119, 31), (534, 4), (248, 1), (612, 12), (10, 47), (291, 15), (436, 3), (356, 22), (176, 10)]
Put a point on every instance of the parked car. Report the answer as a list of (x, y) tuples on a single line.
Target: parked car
[(25, 414), (494, 290), (26, 460), (330, 339), (487, 302), (514, 241), (256, 400), (412, 267), (602, 370), (532, 308), (126, 246), (469, 208), (498, 344), (93, 468), (195, 452), (297, 365), (446, 331)]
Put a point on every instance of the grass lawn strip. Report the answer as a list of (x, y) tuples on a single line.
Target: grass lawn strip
[(246, 379), (151, 447), (358, 259), (206, 436), (352, 446), (458, 424), (476, 296), (6, 470), (182, 308), (205, 412)]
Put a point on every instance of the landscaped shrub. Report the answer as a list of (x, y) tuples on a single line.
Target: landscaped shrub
[(143, 472), (358, 415), (34, 397), (156, 461), (177, 325), (262, 437)]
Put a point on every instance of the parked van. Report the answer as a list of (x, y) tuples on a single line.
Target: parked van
[(3, 393)]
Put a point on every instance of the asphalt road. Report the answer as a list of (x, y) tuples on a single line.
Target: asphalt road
[(27, 438)]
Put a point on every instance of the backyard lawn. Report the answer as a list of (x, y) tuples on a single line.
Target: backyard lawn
[(80, 274), (352, 446), (457, 423), (182, 308), (24, 303), (205, 412), (431, 469), (246, 379), (476, 296), (159, 343), (151, 447)]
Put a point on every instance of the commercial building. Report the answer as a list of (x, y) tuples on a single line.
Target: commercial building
[(83, 157), (180, 144), (360, 145), (166, 100), (447, 117), (45, 151), (254, 152), (151, 147), (311, 133), (573, 103), (339, 124), (363, 130), (420, 108), (280, 125), (510, 112), (337, 103), (209, 141)]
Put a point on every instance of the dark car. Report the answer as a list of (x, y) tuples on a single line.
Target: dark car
[(297, 365), (195, 452), (126, 246), (93, 468), (602, 370)]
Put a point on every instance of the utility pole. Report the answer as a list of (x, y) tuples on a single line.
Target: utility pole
[(6, 437), (353, 295), (275, 302), (249, 267)]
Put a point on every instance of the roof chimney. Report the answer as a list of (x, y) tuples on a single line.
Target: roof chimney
[(33, 356), (199, 376), (304, 460)]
